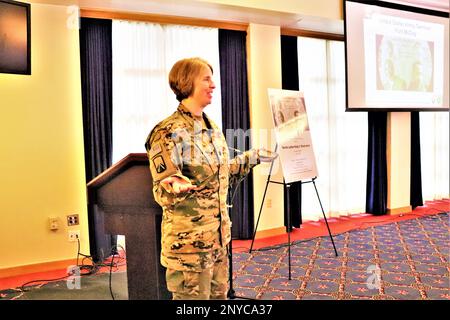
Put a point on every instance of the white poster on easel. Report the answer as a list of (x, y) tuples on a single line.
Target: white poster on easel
[(293, 135)]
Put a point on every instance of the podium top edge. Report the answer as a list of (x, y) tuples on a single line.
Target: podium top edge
[(117, 168)]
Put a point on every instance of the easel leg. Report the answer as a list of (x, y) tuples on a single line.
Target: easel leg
[(288, 187), (326, 221), (262, 204)]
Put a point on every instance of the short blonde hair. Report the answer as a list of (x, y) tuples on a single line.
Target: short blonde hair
[(183, 74)]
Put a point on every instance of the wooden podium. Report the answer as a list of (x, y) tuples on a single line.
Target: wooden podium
[(123, 194)]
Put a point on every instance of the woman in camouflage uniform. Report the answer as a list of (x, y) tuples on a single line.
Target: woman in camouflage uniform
[(191, 172)]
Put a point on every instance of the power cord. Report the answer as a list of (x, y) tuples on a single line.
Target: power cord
[(110, 273), (92, 268), (113, 253), (22, 287)]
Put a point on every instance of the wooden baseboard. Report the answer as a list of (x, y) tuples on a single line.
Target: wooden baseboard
[(397, 211), (38, 267)]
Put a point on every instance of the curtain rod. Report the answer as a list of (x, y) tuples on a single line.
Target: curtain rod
[(163, 19)]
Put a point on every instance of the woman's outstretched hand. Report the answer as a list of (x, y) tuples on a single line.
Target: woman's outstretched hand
[(266, 155), (177, 185)]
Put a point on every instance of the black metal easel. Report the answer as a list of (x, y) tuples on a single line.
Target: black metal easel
[(288, 185)]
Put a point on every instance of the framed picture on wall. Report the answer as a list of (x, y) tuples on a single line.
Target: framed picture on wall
[(15, 37)]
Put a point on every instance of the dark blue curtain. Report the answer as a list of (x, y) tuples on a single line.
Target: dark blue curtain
[(376, 194), (376, 190), (236, 115), (96, 81), (290, 81), (416, 172)]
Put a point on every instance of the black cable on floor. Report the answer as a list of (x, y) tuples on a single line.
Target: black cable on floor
[(110, 275), (91, 270)]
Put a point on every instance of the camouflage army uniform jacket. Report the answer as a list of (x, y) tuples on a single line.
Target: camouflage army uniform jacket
[(196, 223)]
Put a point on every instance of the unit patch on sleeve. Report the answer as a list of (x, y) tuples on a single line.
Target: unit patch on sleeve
[(161, 165)]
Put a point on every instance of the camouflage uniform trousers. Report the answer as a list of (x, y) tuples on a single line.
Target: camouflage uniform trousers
[(211, 283)]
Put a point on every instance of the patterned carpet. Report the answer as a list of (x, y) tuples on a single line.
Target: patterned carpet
[(406, 260)]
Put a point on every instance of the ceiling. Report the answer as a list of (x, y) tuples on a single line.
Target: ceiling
[(210, 11), (229, 13)]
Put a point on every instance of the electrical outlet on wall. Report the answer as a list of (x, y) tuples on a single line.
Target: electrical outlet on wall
[(73, 220), (74, 235), (53, 223)]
